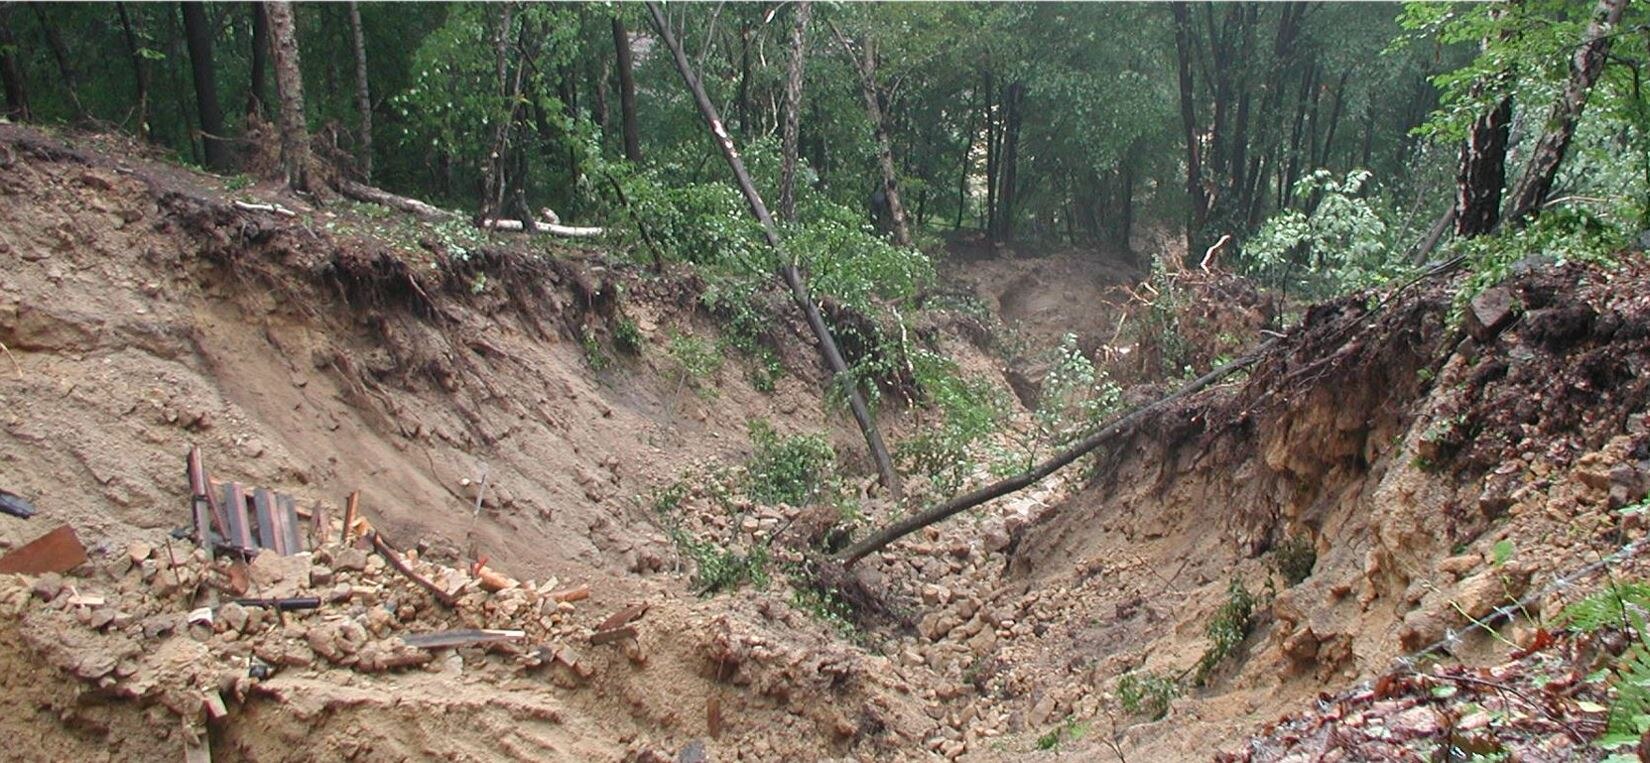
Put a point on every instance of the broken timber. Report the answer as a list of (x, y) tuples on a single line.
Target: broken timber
[(1000, 488), (395, 561), (462, 637)]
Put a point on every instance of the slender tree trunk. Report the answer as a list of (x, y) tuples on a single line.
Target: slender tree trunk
[(963, 166), (866, 63), (11, 72), (787, 264), (1549, 152), (257, 86), (173, 54), (746, 129), (791, 132), (140, 72), (198, 33), (988, 216), (627, 92), (600, 73), (494, 184), (363, 95), (1188, 120), (289, 85), (1286, 184), (60, 52), (1007, 198), (1334, 119)]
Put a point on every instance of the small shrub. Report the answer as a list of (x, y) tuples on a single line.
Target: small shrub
[(627, 337), (699, 361), (789, 470), (1227, 630), (1293, 559), (1147, 693), (719, 569), (593, 353)]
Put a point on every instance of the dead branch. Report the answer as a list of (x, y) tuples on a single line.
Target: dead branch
[(553, 229), (414, 207), (1000, 488), (395, 561)]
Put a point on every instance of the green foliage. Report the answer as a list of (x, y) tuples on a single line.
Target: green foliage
[(1226, 630), (1075, 397), (970, 410), (1147, 693), (1342, 244), (594, 355), (1564, 234), (1068, 731), (718, 569), (826, 606), (698, 359), (1293, 559), (791, 470), (1621, 605)]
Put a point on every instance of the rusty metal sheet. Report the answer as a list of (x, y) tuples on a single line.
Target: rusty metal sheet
[(56, 551), (263, 513), (462, 637)]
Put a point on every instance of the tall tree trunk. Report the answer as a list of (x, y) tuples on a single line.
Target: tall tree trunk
[(363, 95), (787, 265), (627, 92), (988, 216), (60, 52), (791, 132), (494, 184), (173, 54), (963, 166), (1013, 100), (1334, 119), (1286, 181), (1195, 201), (289, 86), (198, 32), (140, 72), (1481, 172), (11, 73), (866, 63), (257, 85), (1585, 67)]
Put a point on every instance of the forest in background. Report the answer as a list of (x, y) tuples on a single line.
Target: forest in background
[(1326, 139)]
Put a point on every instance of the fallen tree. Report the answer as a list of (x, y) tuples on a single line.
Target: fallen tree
[(788, 271), (554, 229), (414, 207), (1119, 426)]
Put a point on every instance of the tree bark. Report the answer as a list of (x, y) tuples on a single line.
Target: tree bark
[(1188, 119), (627, 92), (257, 86), (60, 52), (1013, 99), (787, 265), (866, 63), (197, 33), (414, 207), (1585, 67), (793, 117), (914, 522), (1481, 172), (363, 95), (11, 73), (289, 86), (140, 72)]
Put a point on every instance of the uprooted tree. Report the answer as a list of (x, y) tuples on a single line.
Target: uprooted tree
[(787, 265)]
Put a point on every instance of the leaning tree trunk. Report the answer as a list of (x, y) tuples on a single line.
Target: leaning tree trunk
[(793, 112), (1585, 67), (866, 63), (11, 74), (197, 32), (787, 265), (289, 86), (60, 53), (363, 95), (627, 92)]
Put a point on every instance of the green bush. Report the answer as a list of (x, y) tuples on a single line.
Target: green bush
[(1147, 693), (1226, 630), (1293, 559), (790, 470)]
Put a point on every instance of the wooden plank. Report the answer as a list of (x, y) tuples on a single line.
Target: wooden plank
[(351, 505), (263, 514), (234, 506), (286, 515), (56, 551), (320, 527), (617, 634), (623, 617)]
